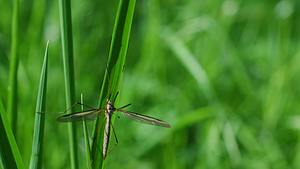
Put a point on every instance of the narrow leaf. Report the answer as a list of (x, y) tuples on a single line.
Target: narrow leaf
[(113, 73), (13, 69), (86, 138), (39, 124), (9, 152), (67, 53)]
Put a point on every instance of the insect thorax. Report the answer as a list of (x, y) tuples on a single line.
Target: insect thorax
[(110, 107)]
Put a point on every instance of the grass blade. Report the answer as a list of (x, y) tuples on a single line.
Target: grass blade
[(188, 60), (39, 124), (9, 152), (67, 49), (86, 139), (113, 73), (13, 72)]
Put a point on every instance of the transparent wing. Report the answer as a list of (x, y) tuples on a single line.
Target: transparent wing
[(145, 119), (79, 116)]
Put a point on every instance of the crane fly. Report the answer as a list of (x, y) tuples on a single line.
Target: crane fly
[(109, 110)]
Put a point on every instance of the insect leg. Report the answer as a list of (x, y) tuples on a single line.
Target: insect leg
[(116, 97), (111, 149), (125, 106), (112, 126)]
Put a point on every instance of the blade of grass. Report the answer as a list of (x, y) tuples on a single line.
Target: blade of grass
[(9, 151), (197, 71), (113, 73), (188, 60), (1, 165), (67, 51), (13, 69), (86, 138), (39, 124)]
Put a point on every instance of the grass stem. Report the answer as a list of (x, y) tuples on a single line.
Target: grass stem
[(67, 53), (13, 72), (39, 125), (114, 70), (86, 138), (9, 154)]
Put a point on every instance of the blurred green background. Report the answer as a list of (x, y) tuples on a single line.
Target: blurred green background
[(224, 74)]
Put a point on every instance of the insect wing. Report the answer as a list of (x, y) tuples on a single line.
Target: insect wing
[(85, 115), (145, 119)]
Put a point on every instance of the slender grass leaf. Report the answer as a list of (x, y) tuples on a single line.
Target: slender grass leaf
[(9, 151), (39, 124), (86, 139), (188, 60), (113, 73), (13, 72), (67, 53)]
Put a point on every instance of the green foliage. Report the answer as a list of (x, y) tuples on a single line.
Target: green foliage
[(86, 138), (67, 54), (224, 74), (39, 123), (13, 70), (114, 70), (9, 151)]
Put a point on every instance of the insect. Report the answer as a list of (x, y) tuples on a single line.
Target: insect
[(109, 110)]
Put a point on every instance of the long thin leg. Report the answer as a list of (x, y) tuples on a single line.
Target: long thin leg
[(73, 105), (112, 126), (115, 139), (106, 139), (125, 106), (78, 103), (116, 97), (91, 107)]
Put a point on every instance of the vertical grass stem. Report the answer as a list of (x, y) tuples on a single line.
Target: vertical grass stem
[(67, 53)]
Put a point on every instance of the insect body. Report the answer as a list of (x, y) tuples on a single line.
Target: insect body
[(109, 110)]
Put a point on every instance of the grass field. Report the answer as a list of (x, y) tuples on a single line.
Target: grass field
[(224, 74)]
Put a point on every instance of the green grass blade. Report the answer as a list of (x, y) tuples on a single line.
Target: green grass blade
[(9, 152), (67, 53), (13, 72), (189, 61), (86, 139), (39, 124), (113, 73)]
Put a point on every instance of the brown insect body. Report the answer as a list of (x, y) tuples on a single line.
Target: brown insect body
[(108, 114), (108, 111)]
